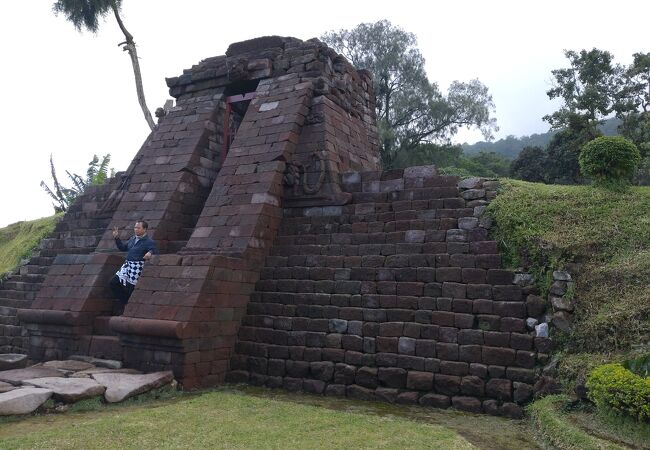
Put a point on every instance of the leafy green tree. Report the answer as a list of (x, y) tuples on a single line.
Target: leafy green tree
[(410, 109), (587, 88), (86, 14), (96, 174), (530, 165)]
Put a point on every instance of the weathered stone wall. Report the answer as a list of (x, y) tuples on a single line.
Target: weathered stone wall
[(398, 296)]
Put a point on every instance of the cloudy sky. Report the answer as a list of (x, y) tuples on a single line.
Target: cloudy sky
[(72, 95)]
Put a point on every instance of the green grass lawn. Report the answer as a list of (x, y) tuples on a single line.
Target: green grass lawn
[(253, 418), (18, 239)]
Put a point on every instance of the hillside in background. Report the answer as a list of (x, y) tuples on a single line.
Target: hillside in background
[(18, 239), (511, 145)]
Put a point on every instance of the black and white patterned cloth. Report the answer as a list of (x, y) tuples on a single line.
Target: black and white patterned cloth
[(130, 272)]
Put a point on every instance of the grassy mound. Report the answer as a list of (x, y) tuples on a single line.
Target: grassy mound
[(608, 234), (19, 239)]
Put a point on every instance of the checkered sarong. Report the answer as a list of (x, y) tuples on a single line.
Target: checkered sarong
[(130, 272)]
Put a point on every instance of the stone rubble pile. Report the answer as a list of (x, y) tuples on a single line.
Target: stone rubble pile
[(24, 389)]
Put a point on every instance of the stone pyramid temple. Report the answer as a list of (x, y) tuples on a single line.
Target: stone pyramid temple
[(287, 257)]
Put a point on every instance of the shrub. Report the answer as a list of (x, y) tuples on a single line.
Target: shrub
[(609, 159), (613, 387)]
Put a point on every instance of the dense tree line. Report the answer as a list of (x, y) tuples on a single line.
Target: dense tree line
[(511, 146)]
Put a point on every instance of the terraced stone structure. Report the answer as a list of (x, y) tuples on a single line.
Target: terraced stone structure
[(288, 258)]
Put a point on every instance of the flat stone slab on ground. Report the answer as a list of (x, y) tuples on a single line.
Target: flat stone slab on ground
[(6, 387), (121, 386), (16, 376), (10, 361), (23, 401), (107, 363), (88, 373), (68, 365), (69, 390)]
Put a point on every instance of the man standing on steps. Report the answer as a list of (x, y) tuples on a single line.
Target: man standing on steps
[(140, 248)]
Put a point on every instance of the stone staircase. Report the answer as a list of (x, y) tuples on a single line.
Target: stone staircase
[(78, 232), (397, 296)]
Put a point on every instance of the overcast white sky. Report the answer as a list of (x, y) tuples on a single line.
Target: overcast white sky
[(73, 95)]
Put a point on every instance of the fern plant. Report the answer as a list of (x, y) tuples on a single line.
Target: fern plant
[(97, 173)]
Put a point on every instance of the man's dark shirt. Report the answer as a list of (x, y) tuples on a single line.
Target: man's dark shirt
[(137, 250)]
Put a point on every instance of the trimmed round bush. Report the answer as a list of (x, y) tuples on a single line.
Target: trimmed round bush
[(613, 387), (609, 159)]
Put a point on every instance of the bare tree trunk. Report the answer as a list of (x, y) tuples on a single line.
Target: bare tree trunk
[(129, 46)]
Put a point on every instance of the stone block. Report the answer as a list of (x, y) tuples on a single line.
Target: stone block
[(448, 351), (473, 386), (393, 377), (496, 339), (425, 348), (511, 410), (470, 353), (447, 384), (435, 400), (479, 291), (454, 368), (498, 356), (406, 346), (360, 392), (499, 389), (522, 392), (322, 370), (366, 377), (419, 381), (469, 404), (407, 398), (479, 370), (344, 373)]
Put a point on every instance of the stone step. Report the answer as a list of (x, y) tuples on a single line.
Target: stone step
[(33, 269), (98, 225), (21, 346), (13, 302), (40, 260), (7, 311), (9, 320), (28, 278), (77, 232), (371, 212), (445, 282), (12, 330), (299, 252), (75, 241), (20, 285), (459, 267), (67, 251), (417, 233), (394, 180), (9, 294)]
